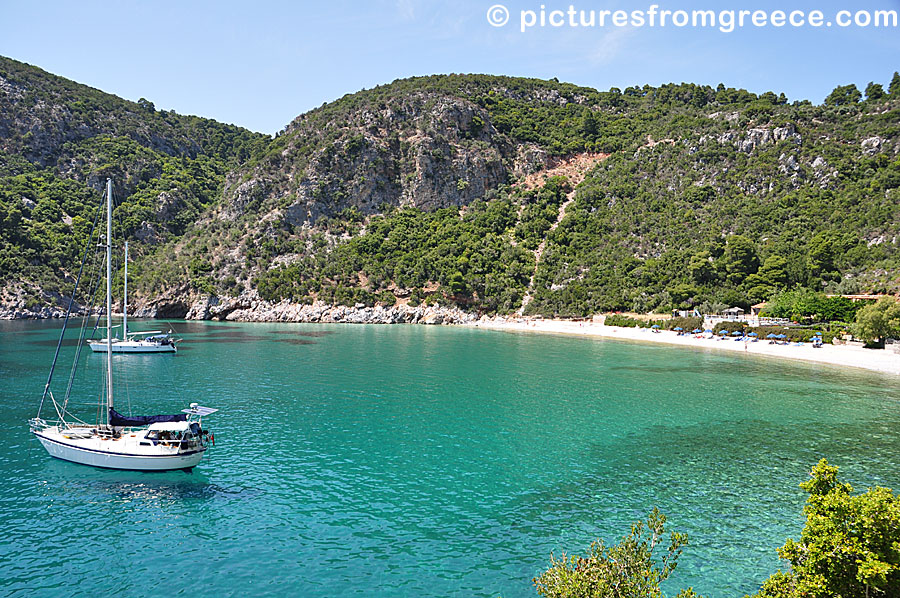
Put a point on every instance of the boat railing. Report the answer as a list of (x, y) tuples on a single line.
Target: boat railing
[(37, 423), (182, 445)]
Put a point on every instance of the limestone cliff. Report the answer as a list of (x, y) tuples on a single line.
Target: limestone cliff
[(426, 150)]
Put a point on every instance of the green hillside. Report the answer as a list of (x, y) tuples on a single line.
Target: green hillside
[(60, 140), (429, 189), (709, 195)]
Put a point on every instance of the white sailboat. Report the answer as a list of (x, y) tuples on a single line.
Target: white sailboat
[(153, 341), (144, 443)]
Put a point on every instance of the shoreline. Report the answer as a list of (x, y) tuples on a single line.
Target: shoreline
[(876, 360), (249, 308)]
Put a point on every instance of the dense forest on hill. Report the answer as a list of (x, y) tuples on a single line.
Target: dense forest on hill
[(424, 190), (60, 140), (746, 197)]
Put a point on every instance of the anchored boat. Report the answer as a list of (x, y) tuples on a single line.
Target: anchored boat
[(152, 341), (116, 441)]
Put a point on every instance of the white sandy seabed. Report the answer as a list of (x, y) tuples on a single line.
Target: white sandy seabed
[(878, 360)]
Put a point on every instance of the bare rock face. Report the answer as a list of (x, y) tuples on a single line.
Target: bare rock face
[(168, 205), (43, 132), (16, 304), (872, 145), (787, 133), (171, 303), (530, 158), (757, 138), (248, 307), (147, 233), (788, 164), (200, 309), (822, 172), (426, 150)]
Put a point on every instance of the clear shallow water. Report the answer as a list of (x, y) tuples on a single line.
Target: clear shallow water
[(402, 460)]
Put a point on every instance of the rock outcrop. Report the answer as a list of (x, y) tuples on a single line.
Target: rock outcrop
[(425, 150), (250, 308), (757, 138), (872, 145), (42, 312), (17, 304)]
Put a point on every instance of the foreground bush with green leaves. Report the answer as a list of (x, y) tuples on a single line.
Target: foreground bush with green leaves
[(850, 545), (627, 570)]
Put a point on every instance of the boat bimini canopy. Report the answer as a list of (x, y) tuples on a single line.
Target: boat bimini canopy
[(170, 426)]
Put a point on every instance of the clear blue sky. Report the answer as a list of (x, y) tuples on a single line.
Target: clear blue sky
[(259, 64)]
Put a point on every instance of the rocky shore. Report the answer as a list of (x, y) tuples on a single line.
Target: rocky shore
[(15, 304), (43, 312), (248, 307)]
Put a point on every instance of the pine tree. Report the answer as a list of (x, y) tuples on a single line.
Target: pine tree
[(894, 88), (843, 95), (874, 91)]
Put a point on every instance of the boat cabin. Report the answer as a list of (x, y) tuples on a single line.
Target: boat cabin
[(186, 434)]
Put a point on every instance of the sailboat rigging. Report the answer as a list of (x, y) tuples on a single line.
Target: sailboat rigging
[(116, 441), (152, 341)]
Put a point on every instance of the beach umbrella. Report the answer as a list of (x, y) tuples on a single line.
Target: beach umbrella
[(737, 333), (771, 335), (708, 331), (752, 334), (679, 328), (695, 331), (655, 326), (723, 332), (781, 336)]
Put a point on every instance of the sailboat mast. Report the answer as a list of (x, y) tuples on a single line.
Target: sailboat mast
[(125, 300), (109, 384)]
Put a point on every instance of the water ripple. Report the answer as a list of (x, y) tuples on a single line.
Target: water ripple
[(397, 461)]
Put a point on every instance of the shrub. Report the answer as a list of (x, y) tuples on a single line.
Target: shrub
[(626, 570), (687, 324), (729, 327), (623, 321), (848, 547)]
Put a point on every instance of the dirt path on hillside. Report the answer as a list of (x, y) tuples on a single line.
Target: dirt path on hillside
[(574, 168)]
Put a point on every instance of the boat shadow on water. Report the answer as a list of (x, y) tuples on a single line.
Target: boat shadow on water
[(134, 486)]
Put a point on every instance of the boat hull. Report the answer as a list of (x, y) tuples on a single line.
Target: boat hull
[(133, 347), (103, 453)]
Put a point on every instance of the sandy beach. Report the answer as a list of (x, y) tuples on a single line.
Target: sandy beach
[(877, 360)]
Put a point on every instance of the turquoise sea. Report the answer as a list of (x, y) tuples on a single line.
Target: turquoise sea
[(392, 461)]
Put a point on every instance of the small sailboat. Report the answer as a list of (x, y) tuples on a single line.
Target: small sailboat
[(153, 341), (116, 441)]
